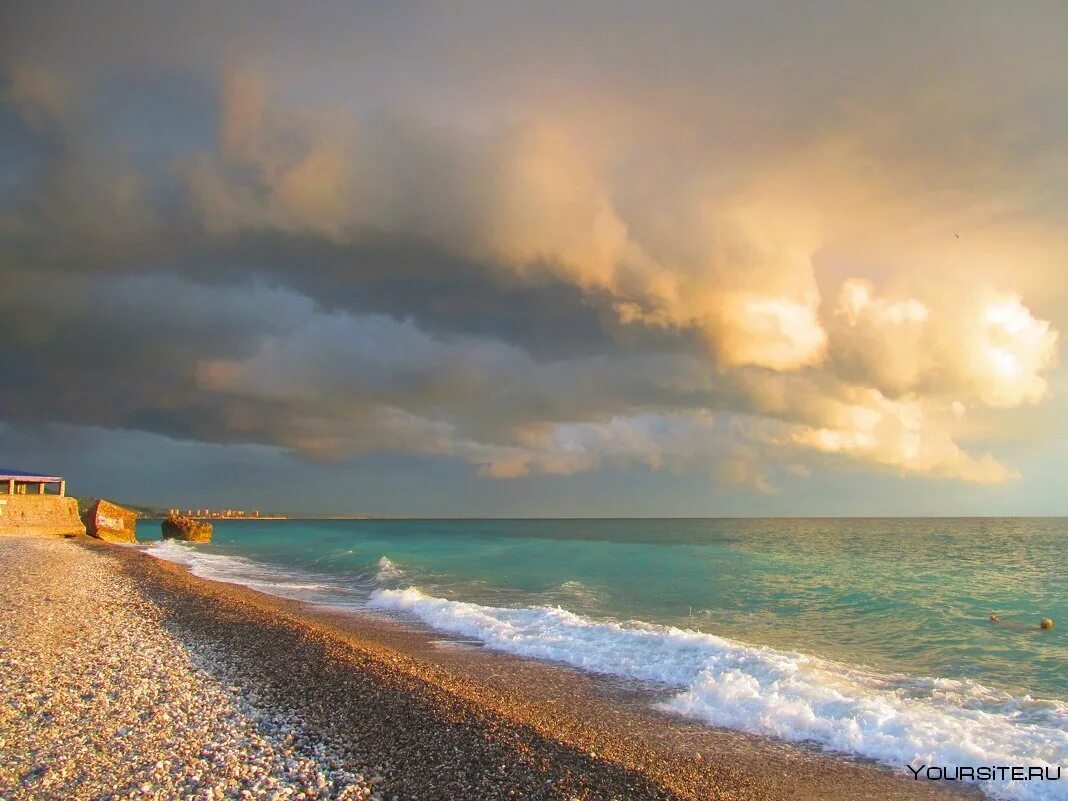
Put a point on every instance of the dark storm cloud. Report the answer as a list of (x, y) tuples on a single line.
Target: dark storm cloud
[(121, 309), (243, 363), (82, 204), (408, 278), (122, 351)]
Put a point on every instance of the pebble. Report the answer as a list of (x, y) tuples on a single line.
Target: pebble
[(99, 700)]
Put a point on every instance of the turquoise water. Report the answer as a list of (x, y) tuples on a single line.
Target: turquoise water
[(912, 595), (869, 636)]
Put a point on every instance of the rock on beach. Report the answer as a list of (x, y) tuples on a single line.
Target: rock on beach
[(180, 527)]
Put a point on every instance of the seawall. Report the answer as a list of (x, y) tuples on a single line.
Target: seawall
[(39, 514)]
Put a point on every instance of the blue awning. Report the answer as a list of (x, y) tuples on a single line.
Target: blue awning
[(6, 474)]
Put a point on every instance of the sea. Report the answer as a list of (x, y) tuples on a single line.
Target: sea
[(867, 637)]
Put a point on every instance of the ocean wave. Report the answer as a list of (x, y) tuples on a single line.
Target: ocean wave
[(576, 595), (894, 719), (295, 584), (388, 571)]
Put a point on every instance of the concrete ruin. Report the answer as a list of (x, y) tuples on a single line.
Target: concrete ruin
[(110, 522), (28, 508)]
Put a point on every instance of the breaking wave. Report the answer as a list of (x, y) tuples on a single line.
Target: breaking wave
[(295, 583), (894, 719), (388, 571)]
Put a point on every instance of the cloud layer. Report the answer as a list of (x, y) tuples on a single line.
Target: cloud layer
[(697, 258)]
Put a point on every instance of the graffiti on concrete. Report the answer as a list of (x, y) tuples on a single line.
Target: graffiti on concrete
[(109, 522)]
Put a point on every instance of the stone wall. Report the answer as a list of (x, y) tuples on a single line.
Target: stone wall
[(39, 514)]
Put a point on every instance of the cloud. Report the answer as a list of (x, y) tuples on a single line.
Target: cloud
[(910, 435), (39, 95), (732, 261), (1014, 349), (527, 197), (974, 342)]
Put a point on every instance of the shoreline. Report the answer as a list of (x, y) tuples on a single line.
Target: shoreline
[(579, 734)]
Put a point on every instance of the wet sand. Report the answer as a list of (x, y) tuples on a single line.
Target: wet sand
[(416, 715)]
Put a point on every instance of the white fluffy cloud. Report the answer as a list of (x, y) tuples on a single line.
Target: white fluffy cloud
[(911, 435), (970, 343)]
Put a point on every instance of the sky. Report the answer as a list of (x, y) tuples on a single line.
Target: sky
[(520, 259)]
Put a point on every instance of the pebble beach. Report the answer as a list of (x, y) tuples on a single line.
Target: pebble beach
[(99, 700), (122, 677)]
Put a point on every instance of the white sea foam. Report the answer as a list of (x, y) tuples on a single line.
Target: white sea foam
[(388, 571), (294, 584), (897, 720), (574, 594)]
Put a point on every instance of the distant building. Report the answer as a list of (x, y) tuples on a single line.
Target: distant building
[(219, 514)]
